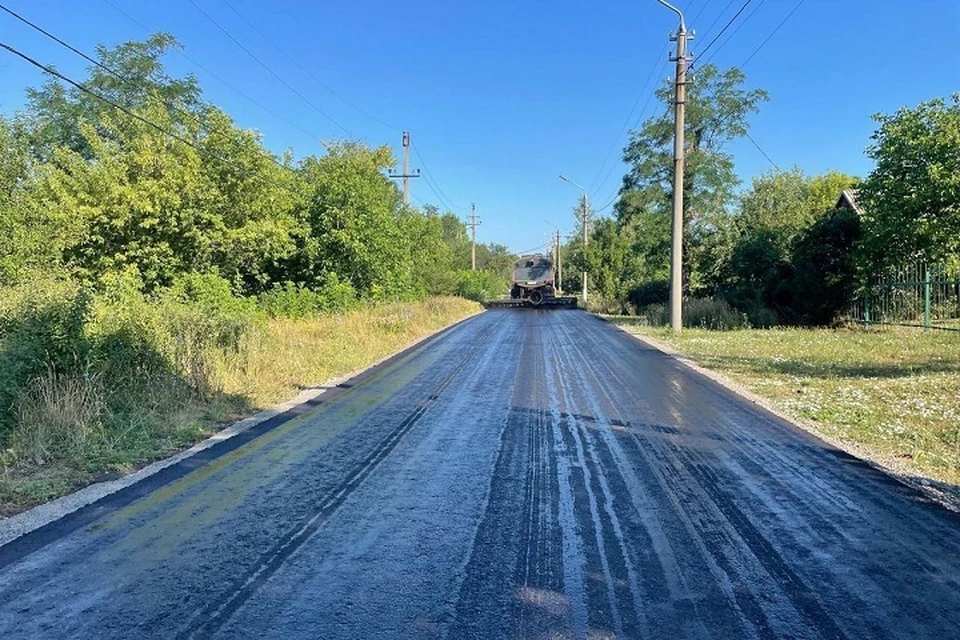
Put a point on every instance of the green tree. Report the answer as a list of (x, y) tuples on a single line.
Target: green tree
[(353, 216), (789, 202), (911, 199), (717, 106), (825, 274)]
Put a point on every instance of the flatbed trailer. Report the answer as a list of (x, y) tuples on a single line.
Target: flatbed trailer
[(561, 302)]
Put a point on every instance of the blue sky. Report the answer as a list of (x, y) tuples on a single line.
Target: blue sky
[(501, 97)]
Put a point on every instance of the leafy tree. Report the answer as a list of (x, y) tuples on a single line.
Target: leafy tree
[(717, 106), (825, 274), (789, 201), (912, 198), (353, 219)]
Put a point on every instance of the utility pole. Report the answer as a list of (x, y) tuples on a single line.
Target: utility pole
[(676, 247), (559, 282), (585, 215), (406, 175), (473, 236), (586, 240)]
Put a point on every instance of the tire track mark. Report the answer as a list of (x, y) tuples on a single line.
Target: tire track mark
[(214, 614)]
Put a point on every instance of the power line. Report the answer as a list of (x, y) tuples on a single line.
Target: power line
[(87, 90), (733, 33), (82, 87), (313, 136), (760, 149), (61, 42), (626, 121), (116, 74), (650, 97), (306, 70), (773, 33), (269, 70), (725, 27), (447, 201)]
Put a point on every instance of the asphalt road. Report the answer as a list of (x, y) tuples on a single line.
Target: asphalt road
[(524, 475)]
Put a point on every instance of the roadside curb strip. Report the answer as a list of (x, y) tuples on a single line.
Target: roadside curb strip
[(942, 493), (32, 519)]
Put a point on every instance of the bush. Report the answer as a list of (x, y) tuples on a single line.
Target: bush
[(293, 300), (480, 285), (65, 348), (648, 293), (697, 313), (825, 271), (41, 328)]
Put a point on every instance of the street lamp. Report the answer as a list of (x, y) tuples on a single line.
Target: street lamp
[(586, 208)]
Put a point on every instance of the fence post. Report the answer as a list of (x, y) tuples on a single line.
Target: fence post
[(926, 299), (866, 307)]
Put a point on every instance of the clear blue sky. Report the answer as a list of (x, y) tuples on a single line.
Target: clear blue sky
[(501, 96)]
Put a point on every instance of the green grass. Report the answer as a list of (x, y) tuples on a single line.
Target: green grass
[(894, 391), (74, 437)]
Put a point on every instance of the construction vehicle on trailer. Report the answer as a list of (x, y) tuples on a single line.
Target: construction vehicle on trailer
[(533, 285)]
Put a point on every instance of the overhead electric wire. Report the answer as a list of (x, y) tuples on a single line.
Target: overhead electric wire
[(733, 33), (82, 87), (305, 69), (87, 90), (313, 136), (448, 202), (760, 149), (61, 42), (773, 33), (650, 97), (116, 74), (269, 70), (725, 27), (626, 122)]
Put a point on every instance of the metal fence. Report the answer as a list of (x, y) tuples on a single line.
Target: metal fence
[(915, 296)]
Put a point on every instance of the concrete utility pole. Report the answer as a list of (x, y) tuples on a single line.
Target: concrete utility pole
[(406, 175), (559, 282), (676, 248), (585, 215), (473, 236), (558, 257)]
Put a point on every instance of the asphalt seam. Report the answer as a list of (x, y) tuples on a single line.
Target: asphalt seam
[(26, 522), (942, 493)]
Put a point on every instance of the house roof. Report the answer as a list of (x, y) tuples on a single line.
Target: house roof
[(848, 200)]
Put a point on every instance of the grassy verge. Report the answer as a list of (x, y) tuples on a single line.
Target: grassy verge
[(105, 431), (894, 392)]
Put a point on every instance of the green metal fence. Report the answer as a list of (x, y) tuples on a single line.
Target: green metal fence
[(915, 296)]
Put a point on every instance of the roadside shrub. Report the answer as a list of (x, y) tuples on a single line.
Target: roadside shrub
[(290, 300), (648, 293), (698, 313), (294, 300), (41, 328), (480, 285)]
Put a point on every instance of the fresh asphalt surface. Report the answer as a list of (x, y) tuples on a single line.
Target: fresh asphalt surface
[(528, 474)]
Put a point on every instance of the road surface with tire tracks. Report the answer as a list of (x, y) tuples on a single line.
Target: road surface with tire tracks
[(526, 474)]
